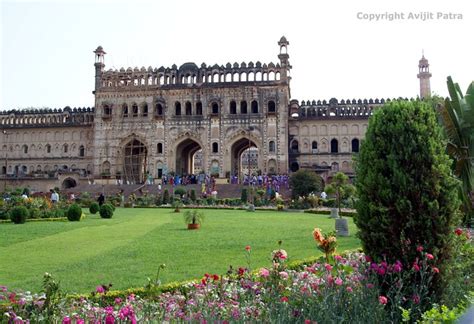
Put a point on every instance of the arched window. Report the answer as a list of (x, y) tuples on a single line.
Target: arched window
[(159, 148), (48, 148), (294, 146), (271, 106), (125, 110), (271, 147), (254, 106), (355, 145), (145, 110), (188, 108), (233, 108), (177, 108), (135, 110), (314, 147), (243, 107), (159, 109), (25, 149), (81, 150), (107, 111), (334, 146), (65, 148), (198, 108), (215, 108), (215, 147), (294, 166)]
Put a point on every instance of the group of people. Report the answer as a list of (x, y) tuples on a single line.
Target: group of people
[(269, 182)]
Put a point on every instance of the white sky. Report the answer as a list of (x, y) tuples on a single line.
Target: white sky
[(47, 59)]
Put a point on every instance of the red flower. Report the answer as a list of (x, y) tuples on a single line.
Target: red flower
[(383, 300), (215, 277), (435, 270), (284, 299), (416, 267), (247, 248), (458, 231)]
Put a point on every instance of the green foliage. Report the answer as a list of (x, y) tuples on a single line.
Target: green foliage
[(457, 117), (193, 195), (74, 213), (193, 217), (407, 196), (177, 205), (166, 197), (18, 214), (441, 314), (340, 187), (94, 208), (106, 211), (304, 182), (180, 192), (244, 195)]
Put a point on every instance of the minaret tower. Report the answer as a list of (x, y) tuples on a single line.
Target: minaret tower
[(99, 66), (283, 56), (424, 75)]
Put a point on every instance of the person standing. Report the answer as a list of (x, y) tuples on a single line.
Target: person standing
[(54, 196), (101, 199)]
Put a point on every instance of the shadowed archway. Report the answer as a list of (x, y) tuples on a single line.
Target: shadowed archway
[(185, 156), (238, 166)]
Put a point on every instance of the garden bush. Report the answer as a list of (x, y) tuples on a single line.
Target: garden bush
[(74, 213), (166, 197), (94, 208), (407, 195), (18, 214), (106, 211), (193, 195), (180, 192), (244, 195), (304, 182)]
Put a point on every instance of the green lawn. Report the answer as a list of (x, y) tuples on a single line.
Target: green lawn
[(128, 248)]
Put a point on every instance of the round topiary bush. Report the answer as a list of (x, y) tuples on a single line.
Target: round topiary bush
[(74, 213), (18, 214), (94, 208), (106, 211)]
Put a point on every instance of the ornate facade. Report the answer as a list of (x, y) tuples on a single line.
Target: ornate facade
[(153, 121)]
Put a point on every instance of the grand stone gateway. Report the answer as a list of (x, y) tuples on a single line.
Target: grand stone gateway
[(227, 120)]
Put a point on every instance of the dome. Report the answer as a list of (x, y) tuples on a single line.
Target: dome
[(189, 66)]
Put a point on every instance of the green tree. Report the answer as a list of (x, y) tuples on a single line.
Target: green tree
[(407, 196), (457, 117), (304, 182), (340, 187)]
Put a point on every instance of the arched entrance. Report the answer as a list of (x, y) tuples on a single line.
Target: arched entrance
[(69, 183), (241, 163), (135, 161), (186, 157)]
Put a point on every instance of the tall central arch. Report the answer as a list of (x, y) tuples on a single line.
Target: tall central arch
[(185, 156), (238, 148), (135, 161)]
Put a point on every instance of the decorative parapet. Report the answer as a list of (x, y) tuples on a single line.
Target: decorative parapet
[(47, 117), (334, 109), (190, 74)]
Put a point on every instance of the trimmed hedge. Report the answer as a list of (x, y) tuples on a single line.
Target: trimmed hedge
[(19, 214), (328, 212), (36, 220), (94, 208), (106, 211), (74, 213)]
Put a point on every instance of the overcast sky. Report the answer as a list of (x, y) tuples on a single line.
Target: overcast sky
[(47, 59)]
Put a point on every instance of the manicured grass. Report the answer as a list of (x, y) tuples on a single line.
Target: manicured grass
[(128, 248)]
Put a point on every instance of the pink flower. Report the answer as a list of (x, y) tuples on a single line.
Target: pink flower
[(328, 267), (264, 272), (284, 299), (383, 300), (100, 289), (109, 319), (338, 281), (67, 320), (80, 321), (416, 299), (283, 274), (416, 267), (370, 286), (349, 289), (118, 300), (419, 248), (131, 297), (337, 257), (435, 270), (381, 271), (429, 256), (397, 267)]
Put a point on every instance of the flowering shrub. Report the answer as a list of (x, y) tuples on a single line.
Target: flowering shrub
[(352, 289)]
